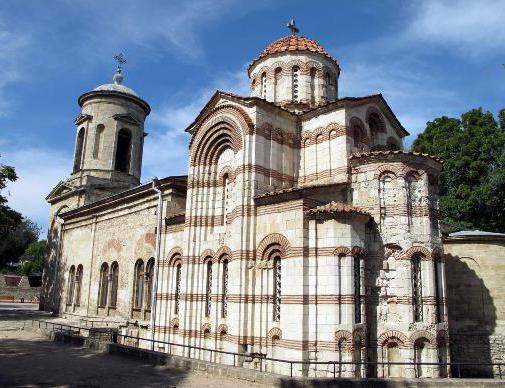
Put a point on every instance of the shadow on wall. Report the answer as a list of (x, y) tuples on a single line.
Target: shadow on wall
[(472, 316)]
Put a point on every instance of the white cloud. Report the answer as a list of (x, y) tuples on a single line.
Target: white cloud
[(413, 95), (38, 170), (473, 27), (166, 148)]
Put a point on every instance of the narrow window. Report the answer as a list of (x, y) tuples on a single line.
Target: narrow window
[(123, 151), (225, 199), (313, 86), (100, 128), (104, 285), (294, 87), (139, 285), (438, 302), (78, 285), (150, 281), (177, 288), (79, 148), (71, 284), (326, 86), (357, 289), (417, 291), (208, 289), (277, 85), (264, 86), (114, 284), (277, 289), (224, 295), (410, 183)]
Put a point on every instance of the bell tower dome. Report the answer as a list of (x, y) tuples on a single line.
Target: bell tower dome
[(295, 72), (109, 139)]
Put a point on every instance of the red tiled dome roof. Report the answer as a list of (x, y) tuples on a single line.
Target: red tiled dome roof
[(293, 43)]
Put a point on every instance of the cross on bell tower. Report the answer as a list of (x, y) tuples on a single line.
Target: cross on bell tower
[(292, 26), (118, 77)]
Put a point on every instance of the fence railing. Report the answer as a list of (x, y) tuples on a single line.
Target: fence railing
[(335, 367)]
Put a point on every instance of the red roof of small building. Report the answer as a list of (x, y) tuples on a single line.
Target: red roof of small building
[(292, 43), (337, 207)]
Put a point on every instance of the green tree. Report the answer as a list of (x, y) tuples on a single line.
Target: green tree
[(7, 174), (33, 258), (472, 183)]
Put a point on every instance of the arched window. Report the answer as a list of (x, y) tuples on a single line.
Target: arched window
[(79, 149), (78, 285), (358, 133), (326, 86), (123, 150), (417, 288), (276, 287), (114, 268), (413, 193), (226, 197), (437, 263), (375, 123), (319, 145), (420, 356), (104, 285), (99, 134), (208, 289), (357, 289), (393, 356), (313, 86), (295, 87), (224, 295), (71, 285), (178, 270), (277, 84), (150, 281), (264, 86), (138, 289)]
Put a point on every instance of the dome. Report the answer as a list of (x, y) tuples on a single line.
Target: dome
[(116, 88), (293, 43)]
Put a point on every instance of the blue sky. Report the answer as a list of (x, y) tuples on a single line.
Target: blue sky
[(428, 58)]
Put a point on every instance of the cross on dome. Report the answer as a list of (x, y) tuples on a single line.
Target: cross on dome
[(118, 77), (292, 26)]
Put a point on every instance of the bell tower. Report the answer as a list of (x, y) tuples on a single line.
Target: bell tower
[(109, 139)]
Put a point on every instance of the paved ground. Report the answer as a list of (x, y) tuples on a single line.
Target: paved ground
[(27, 359)]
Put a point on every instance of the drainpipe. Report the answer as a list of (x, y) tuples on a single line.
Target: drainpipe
[(156, 188)]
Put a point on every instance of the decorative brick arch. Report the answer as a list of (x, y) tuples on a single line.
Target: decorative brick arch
[(358, 251), (384, 169), (313, 65), (207, 255), (296, 62), (222, 329), (343, 338), (223, 252), (385, 337), (419, 334), (174, 256), (373, 110), (358, 131), (276, 239), (342, 251), (174, 323), (320, 131), (205, 328), (274, 333), (417, 249)]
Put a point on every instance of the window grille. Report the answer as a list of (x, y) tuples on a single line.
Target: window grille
[(208, 292), (177, 289), (224, 300), (264, 86), (277, 290), (417, 293), (295, 80), (357, 289)]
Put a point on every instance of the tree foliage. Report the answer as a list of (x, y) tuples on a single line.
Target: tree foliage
[(16, 232), (472, 183), (33, 258)]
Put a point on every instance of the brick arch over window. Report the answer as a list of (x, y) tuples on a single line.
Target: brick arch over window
[(224, 252), (207, 255), (222, 329), (273, 239), (205, 328), (373, 114), (417, 249), (358, 131), (430, 337), (174, 256), (343, 339), (274, 333), (384, 169), (342, 251), (398, 336), (174, 323)]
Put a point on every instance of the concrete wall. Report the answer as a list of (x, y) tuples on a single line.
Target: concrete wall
[(18, 287)]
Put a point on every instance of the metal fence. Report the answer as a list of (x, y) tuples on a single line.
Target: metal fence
[(336, 368)]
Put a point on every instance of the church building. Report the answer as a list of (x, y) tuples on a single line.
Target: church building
[(303, 230)]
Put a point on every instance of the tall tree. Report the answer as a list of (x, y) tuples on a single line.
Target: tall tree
[(472, 183), (33, 258)]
